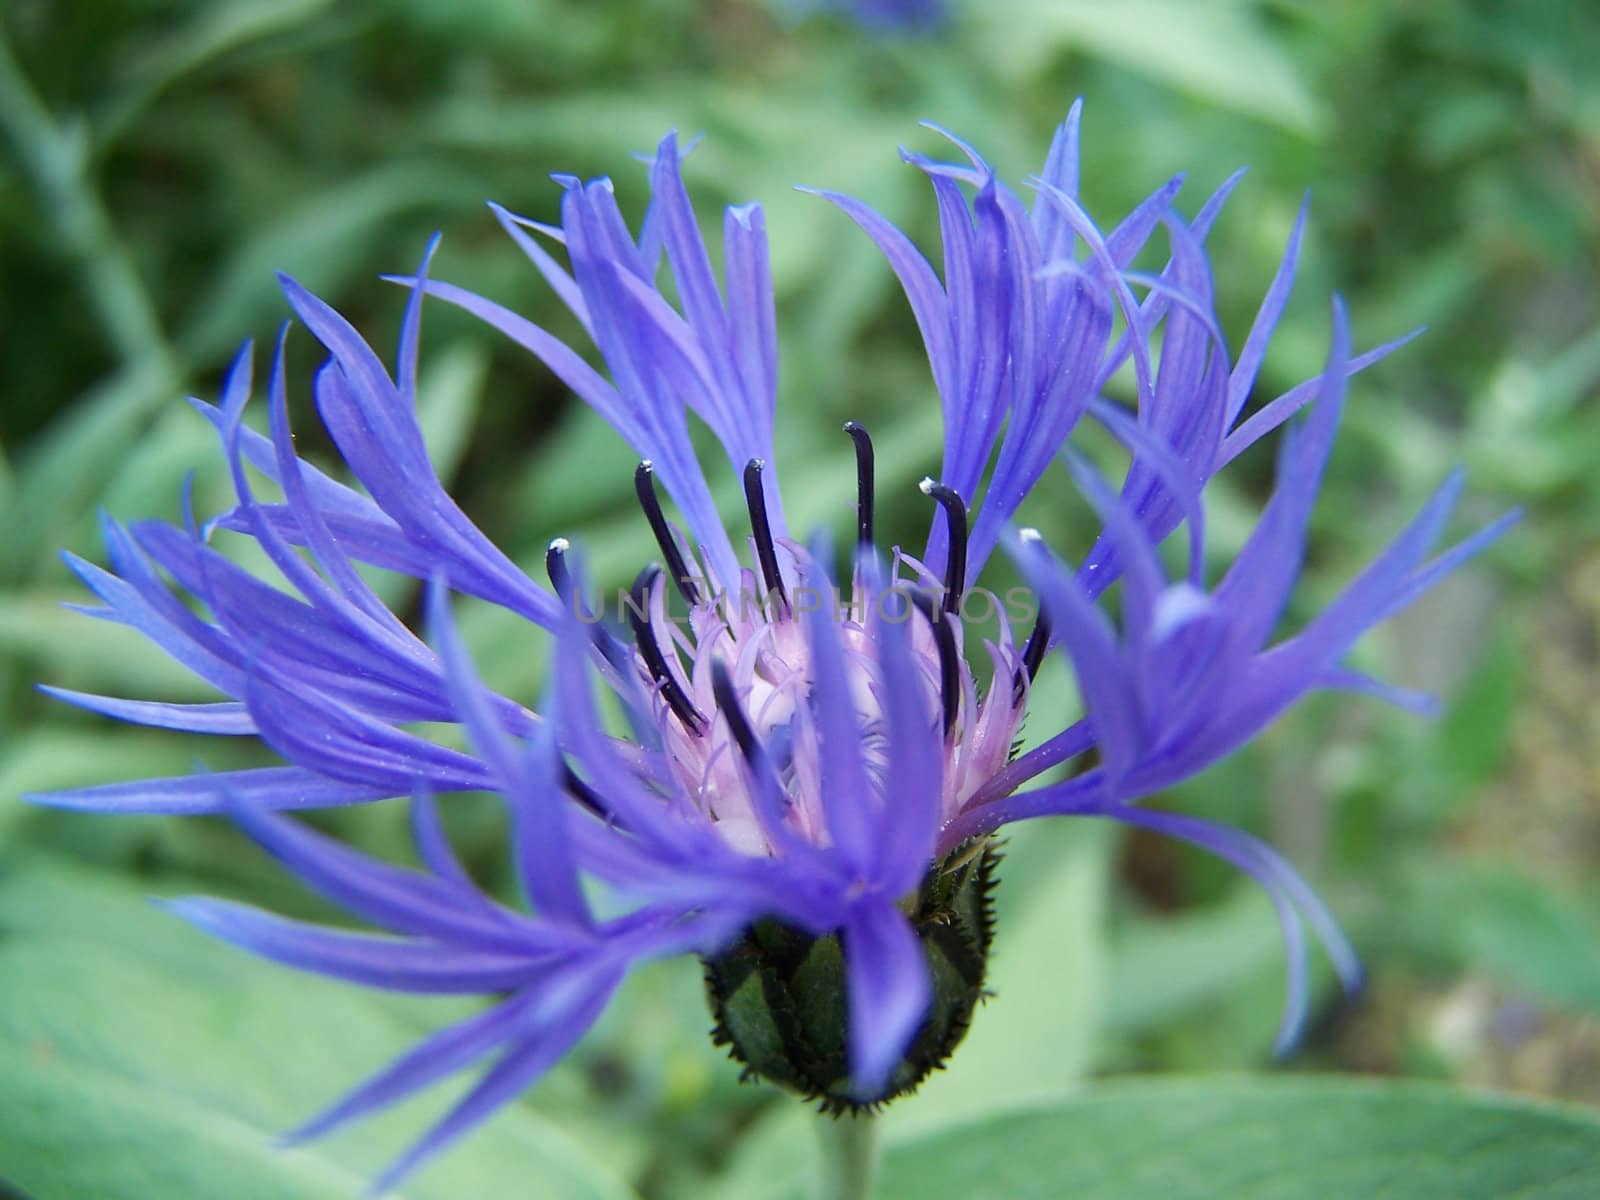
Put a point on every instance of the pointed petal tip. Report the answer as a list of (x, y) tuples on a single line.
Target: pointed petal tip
[(295, 291), (195, 910), (243, 355), (292, 1139), (1287, 1041)]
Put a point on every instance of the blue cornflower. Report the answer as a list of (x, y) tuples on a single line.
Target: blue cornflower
[(890, 16), (812, 766)]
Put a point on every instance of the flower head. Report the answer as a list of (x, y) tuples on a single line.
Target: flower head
[(811, 756), (889, 16)]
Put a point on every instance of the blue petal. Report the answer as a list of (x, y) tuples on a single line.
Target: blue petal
[(451, 1049), (1088, 639), (192, 795), (228, 718), (847, 800), (522, 1065), (531, 783), (917, 278), (400, 900), (889, 991), (1244, 373), (397, 964), (914, 782), (1274, 413)]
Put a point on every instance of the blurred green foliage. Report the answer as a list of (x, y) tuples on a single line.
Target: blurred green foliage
[(163, 158)]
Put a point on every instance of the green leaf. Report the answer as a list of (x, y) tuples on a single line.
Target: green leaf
[(1524, 931), (1531, 431), (1257, 1139), (322, 242), (774, 1158), (8, 480), (211, 34), (1216, 50), (73, 1132), (149, 480), (1164, 968), (448, 396), (60, 474), (142, 1059), (79, 755)]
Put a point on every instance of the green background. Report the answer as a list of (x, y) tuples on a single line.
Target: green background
[(162, 158)]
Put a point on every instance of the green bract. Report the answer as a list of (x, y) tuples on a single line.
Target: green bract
[(779, 997)]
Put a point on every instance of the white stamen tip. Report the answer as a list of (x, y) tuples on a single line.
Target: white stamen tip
[(927, 485), (560, 545), (1030, 535), (647, 465)]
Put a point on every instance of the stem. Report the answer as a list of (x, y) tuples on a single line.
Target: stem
[(849, 1156)]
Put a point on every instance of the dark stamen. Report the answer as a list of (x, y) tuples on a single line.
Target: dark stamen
[(555, 566), (767, 553), (1033, 652), (944, 639), (955, 513), (864, 481), (728, 705), (671, 691), (644, 487), (744, 737), (585, 795)]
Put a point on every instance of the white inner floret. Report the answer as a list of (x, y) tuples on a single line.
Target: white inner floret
[(764, 649)]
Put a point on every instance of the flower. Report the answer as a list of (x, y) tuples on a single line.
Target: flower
[(887, 16), (812, 771)]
